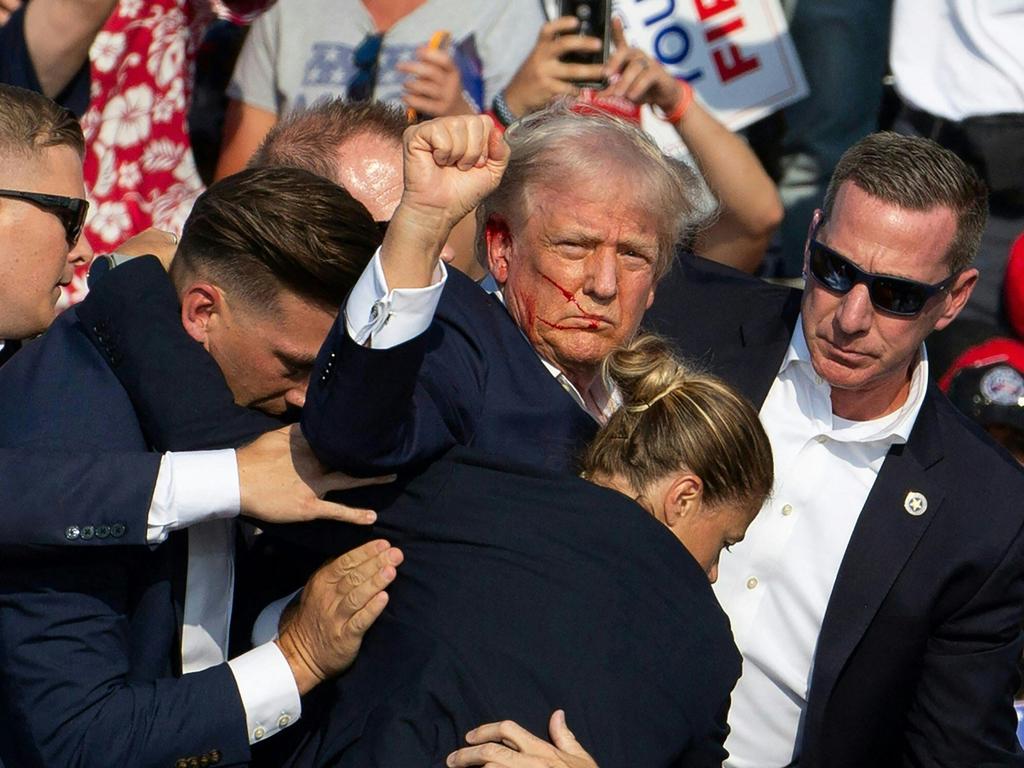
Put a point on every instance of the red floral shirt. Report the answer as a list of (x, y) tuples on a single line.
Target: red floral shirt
[(139, 169)]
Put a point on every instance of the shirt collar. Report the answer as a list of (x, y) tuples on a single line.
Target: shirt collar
[(893, 428)]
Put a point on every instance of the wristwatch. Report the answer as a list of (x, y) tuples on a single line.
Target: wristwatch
[(103, 263), (502, 111)]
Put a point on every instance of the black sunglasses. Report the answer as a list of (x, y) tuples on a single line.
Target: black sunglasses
[(70, 210), (895, 295), (366, 57)]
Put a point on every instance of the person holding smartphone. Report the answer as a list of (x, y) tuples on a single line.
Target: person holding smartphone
[(563, 62)]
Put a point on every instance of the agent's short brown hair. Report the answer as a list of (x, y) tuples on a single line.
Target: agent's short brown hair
[(674, 417), (30, 122), (265, 229), (309, 138), (917, 174)]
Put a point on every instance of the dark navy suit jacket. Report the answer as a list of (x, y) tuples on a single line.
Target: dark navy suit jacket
[(471, 379), (51, 497), (916, 659), (524, 590), (88, 498), (89, 637)]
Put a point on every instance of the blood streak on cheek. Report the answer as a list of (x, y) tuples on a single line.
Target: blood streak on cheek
[(570, 296), (558, 327)]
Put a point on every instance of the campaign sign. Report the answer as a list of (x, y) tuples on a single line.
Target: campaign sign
[(737, 54)]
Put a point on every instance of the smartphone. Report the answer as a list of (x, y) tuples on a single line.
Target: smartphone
[(595, 21)]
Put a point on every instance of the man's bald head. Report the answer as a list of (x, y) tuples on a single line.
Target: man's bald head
[(356, 145)]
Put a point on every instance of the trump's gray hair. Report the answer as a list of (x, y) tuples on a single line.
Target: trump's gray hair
[(556, 145)]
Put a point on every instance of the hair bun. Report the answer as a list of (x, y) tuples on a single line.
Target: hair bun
[(645, 371)]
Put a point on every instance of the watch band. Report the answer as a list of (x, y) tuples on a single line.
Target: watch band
[(103, 263), (502, 111)]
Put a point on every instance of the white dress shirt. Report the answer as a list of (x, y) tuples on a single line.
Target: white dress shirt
[(959, 58), (775, 584), (192, 487), (380, 317), (265, 682)]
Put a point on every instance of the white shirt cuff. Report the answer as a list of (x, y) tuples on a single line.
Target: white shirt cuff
[(381, 318), (192, 487), (267, 623), (267, 688)]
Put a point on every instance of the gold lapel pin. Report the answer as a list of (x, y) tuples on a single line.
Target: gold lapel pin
[(916, 504)]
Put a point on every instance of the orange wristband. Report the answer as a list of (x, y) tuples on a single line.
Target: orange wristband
[(685, 100)]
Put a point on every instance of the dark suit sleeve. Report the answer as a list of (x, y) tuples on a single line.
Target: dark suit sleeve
[(16, 67), (82, 499), (178, 392), (67, 694), (711, 752), (962, 711), (373, 411)]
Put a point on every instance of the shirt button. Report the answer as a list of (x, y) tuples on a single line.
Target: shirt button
[(259, 732), (821, 438), (751, 583), (374, 313), (787, 510), (283, 720)]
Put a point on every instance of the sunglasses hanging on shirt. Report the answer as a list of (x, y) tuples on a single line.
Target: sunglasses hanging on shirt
[(366, 58)]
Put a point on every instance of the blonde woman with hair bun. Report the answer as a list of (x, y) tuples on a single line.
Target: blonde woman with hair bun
[(685, 446)]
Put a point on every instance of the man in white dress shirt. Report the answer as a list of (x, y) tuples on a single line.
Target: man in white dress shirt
[(851, 618)]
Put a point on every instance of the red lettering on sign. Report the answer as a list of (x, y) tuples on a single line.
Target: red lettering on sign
[(713, 33), (735, 65), (708, 8)]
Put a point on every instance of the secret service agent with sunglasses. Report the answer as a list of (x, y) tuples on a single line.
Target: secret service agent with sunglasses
[(878, 597)]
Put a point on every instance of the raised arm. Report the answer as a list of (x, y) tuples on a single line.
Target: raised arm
[(368, 409), (59, 34)]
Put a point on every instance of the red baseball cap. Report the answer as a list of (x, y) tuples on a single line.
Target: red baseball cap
[(987, 382), (1013, 286)]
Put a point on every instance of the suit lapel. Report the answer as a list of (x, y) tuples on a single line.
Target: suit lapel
[(10, 347), (883, 540), (763, 340)]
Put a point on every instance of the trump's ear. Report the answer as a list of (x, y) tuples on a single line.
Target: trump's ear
[(202, 310), (499, 247)]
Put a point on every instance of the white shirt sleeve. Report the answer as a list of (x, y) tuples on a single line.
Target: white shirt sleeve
[(267, 688), (265, 627), (192, 487), (381, 318)]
